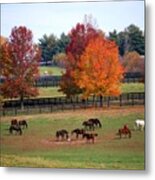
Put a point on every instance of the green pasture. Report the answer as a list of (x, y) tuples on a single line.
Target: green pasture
[(37, 146), (57, 71), (125, 87)]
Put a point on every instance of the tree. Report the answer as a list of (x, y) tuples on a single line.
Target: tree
[(20, 61), (62, 43), (79, 39), (133, 62), (60, 59), (49, 48), (99, 70), (113, 36), (136, 39), (131, 39), (3, 40)]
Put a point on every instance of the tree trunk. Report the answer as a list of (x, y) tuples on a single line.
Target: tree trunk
[(101, 101), (22, 102)]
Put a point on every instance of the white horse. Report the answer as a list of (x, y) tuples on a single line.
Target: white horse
[(139, 124)]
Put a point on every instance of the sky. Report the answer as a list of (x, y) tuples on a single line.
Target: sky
[(55, 18)]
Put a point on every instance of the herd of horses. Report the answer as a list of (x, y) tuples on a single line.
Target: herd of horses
[(87, 132), (17, 126), (88, 125)]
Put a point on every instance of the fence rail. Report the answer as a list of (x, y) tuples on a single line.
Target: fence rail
[(41, 105), (51, 81)]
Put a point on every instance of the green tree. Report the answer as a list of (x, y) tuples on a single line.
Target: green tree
[(131, 39), (136, 39), (48, 45), (63, 43)]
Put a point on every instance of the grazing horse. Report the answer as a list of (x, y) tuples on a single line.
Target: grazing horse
[(139, 124), (62, 133), (95, 122), (88, 125), (125, 130), (23, 123), (90, 137), (78, 132), (15, 128), (14, 122)]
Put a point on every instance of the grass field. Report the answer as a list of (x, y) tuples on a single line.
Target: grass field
[(57, 71), (37, 146), (126, 87)]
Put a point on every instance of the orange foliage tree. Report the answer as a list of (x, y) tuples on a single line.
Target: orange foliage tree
[(99, 70)]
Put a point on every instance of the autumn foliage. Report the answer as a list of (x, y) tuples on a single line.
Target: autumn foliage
[(19, 61), (93, 66), (133, 62), (99, 71), (79, 39)]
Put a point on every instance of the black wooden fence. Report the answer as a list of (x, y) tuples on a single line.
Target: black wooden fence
[(46, 81), (43, 105)]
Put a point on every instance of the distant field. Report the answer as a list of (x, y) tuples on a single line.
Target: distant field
[(37, 146), (51, 70), (126, 87)]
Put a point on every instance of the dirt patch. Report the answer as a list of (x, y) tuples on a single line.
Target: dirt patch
[(72, 142)]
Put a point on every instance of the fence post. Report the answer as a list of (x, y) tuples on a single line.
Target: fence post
[(143, 98), (120, 100), (132, 99), (3, 111), (15, 111), (51, 108), (108, 101), (39, 109)]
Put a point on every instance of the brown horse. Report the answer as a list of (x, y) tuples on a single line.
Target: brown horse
[(62, 133), (88, 125), (23, 123), (90, 137), (78, 132), (124, 131), (14, 122), (15, 128), (96, 122)]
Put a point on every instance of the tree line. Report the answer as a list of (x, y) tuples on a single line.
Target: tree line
[(91, 60), (129, 40)]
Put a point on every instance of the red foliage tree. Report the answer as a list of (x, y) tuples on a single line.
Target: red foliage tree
[(79, 39), (20, 61)]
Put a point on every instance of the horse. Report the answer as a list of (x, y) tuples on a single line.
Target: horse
[(78, 132), (90, 137), (139, 124), (16, 128), (88, 125), (14, 122), (23, 123), (125, 130), (96, 122), (62, 133)]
